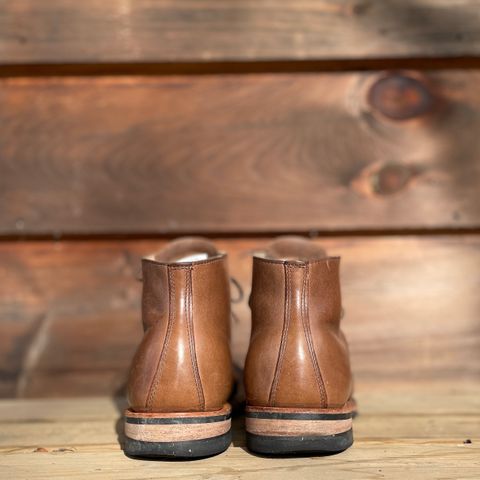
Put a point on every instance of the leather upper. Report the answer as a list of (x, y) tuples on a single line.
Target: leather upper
[(183, 362), (298, 356)]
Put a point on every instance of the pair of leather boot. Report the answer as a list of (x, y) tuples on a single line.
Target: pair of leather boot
[(297, 374)]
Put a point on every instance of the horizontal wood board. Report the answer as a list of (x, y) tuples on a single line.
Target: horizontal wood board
[(240, 153), (395, 438), (71, 311), (164, 31)]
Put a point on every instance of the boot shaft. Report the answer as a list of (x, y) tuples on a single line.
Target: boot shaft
[(183, 362), (298, 356)]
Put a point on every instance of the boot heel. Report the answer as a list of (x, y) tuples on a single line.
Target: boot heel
[(178, 435), (287, 431)]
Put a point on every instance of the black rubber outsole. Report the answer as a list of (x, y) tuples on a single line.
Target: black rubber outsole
[(181, 450), (313, 445)]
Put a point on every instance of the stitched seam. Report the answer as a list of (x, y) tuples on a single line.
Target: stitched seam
[(188, 264), (309, 340), (191, 339), (283, 341), (266, 260), (171, 321), (324, 260), (299, 264)]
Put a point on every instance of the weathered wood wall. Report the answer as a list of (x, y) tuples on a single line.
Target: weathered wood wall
[(72, 310), (319, 151), (107, 31), (123, 124)]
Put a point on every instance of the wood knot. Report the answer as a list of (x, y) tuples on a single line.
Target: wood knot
[(385, 179), (41, 450), (392, 178), (401, 96), (360, 8)]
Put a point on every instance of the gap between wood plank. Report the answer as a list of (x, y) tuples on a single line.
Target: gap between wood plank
[(407, 232), (239, 67)]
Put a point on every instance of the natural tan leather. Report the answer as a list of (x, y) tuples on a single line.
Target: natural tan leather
[(298, 356), (183, 363)]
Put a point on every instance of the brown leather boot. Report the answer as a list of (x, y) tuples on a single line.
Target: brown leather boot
[(181, 375), (297, 374)]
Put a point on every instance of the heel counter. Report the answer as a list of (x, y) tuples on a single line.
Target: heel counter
[(280, 369), (155, 318), (210, 330), (298, 380), (163, 374), (267, 306), (330, 344), (142, 370), (334, 362)]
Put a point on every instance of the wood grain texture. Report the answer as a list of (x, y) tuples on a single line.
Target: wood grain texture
[(285, 428), (258, 153), (411, 311), (176, 432), (78, 439), (65, 31)]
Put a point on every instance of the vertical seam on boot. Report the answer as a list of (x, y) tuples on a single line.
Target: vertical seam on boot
[(191, 339), (308, 337), (163, 354), (283, 341)]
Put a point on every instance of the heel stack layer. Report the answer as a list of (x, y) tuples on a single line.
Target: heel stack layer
[(273, 430), (188, 434)]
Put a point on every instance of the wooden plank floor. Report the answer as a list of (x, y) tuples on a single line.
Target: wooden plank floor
[(427, 432)]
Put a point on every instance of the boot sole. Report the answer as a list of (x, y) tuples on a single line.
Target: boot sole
[(177, 435), (289, 431)]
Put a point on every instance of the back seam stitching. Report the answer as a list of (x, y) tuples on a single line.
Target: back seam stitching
[(308, 337), (163, 354), (191, 340), (283, 341)]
